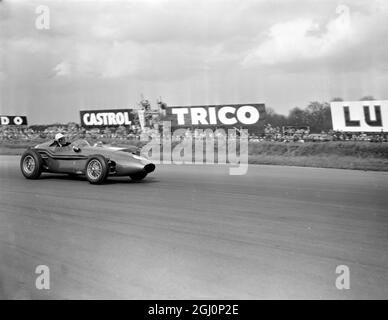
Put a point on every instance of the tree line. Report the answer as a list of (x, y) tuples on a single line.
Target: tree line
[(316, 115)]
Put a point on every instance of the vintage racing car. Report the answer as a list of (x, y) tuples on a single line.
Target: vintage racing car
[(80, 158)]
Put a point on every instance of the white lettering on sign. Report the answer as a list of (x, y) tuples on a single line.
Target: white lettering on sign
[(13, 120), (180, 113), (222, 115), (4, 120), (253, 113), (106, 118), (18, 121), (212, 116), (198, 116), (226, 115)]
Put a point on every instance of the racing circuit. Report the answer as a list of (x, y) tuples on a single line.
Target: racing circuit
[(195, 232)]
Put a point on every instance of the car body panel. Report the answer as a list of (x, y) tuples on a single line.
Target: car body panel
[(69, 159)]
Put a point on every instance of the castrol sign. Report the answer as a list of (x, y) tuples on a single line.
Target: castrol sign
[(235, 115), (106, 118)]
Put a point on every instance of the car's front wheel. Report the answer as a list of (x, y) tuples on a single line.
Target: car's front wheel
[(31, 164), (97, 169)]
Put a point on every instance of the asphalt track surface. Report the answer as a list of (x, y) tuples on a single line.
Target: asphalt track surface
[(195, 232)]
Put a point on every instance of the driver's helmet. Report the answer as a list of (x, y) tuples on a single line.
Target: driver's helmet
[(60, 138)]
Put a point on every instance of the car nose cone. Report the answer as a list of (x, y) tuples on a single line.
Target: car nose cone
[(149, 167)]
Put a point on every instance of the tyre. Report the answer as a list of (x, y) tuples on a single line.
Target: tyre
[(96, 169), (31, 164), (138, 176)]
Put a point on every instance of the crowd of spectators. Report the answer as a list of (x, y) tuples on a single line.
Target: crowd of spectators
[(74, 131), (71, 130), (302, 134)]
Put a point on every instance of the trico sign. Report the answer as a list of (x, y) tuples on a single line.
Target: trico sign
[(236, 115)]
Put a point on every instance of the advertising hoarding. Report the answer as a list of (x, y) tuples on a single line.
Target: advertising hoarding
[(360, 116)]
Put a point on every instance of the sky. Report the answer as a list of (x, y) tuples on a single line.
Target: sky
[(106, 54)]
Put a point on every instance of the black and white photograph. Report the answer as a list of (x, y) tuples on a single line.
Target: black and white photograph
[(193, 150)]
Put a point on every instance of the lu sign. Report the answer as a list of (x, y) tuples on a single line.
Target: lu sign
[(360, 116)]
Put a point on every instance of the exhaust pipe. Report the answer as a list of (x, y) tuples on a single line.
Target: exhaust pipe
[(149, 167)]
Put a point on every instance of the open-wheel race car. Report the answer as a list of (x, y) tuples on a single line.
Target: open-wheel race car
[(96, 163)]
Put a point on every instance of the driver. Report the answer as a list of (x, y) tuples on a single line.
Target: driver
[(60, 141)]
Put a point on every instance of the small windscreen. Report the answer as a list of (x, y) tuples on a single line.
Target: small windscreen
[(81, 143)]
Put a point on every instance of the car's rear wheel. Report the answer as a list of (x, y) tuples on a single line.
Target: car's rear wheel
[(31, 164), (96, 169), (138, 176)]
